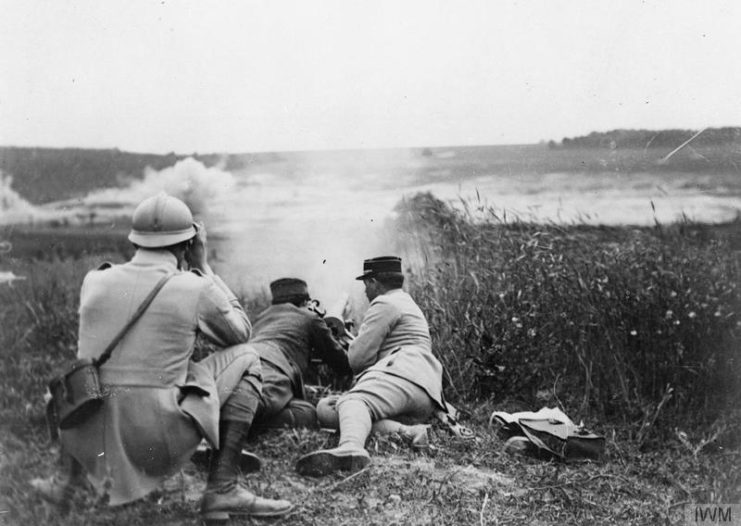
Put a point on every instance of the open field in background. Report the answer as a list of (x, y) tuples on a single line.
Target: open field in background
[(634, 330), (43, 175)]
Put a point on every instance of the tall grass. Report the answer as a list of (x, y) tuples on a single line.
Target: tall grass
[(632, 326)]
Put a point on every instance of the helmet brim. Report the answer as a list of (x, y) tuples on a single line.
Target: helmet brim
[(159, 240)]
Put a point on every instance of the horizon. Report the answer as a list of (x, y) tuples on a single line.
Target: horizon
[(542, 142)]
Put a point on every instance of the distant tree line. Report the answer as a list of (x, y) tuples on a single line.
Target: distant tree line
[(650, 138), (43, 175)]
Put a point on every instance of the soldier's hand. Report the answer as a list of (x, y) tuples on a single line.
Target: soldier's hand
[(198, 252)]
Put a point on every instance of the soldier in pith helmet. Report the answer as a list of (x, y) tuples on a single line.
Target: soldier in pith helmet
[(161, 403)]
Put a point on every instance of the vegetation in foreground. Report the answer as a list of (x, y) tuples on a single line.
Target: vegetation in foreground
[(635, 331)]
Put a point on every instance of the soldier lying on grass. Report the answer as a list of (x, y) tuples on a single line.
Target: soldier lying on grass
[(398, 376)]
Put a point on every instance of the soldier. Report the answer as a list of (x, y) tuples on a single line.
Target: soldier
[(398, 377), (287, 335), (160, 403)]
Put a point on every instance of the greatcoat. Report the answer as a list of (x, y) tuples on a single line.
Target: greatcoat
[(159, 403)]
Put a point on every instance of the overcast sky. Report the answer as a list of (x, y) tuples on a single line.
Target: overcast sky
[(243, 76)]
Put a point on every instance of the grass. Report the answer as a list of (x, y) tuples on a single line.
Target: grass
[(523, 316)]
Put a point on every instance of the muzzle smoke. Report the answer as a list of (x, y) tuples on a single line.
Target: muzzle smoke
[(312, 216)]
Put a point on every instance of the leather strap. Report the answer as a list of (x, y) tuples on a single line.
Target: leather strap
[(109, 350)]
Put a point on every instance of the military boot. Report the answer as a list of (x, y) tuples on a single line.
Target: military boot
[(226, 494), (227, 499), (326, 461)]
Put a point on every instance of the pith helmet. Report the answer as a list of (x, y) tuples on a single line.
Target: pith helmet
[(286, 289), (385, 265), (161, 221)]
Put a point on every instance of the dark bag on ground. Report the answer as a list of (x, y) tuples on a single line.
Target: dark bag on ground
[(76, 394)]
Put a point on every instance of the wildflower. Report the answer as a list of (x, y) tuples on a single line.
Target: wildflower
[(692, 315), (717, 314), (669, 314), (634, 332), (676, 322), (531, 333), (673, 294)]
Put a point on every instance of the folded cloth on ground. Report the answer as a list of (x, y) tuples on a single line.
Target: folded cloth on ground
[(552, 432)]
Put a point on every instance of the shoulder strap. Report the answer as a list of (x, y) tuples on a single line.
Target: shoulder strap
[(109, 350)]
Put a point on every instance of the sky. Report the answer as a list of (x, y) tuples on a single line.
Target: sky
[(240, 76)]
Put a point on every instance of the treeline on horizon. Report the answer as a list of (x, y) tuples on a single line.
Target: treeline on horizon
[(42, 175), (651, 138)]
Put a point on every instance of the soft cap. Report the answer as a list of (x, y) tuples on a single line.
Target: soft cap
[(286, 289)]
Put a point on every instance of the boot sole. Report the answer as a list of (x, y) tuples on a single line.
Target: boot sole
[(214, 518), (323, 463)]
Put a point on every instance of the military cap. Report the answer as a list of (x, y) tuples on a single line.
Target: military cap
[(386, 265), (286, 289)]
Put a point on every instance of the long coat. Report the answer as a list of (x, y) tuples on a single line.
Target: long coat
[(394, 339), (288, 337), (159, 403)]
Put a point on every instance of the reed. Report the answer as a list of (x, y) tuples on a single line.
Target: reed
[(636, 326)]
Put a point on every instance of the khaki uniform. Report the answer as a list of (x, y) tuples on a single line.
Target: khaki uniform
[(159, 403), (287, 337), (393, 347)]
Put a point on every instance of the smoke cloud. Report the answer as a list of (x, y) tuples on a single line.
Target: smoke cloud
[(13, 208), (189, 180)]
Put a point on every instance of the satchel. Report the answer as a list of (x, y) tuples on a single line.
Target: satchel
[(76, 394)]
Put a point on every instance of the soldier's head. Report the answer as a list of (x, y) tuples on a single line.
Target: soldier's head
[(380, 275), (290, 290), (162, 222)]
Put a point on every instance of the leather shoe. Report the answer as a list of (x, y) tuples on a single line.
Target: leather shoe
[(325, 461), (232, 498)]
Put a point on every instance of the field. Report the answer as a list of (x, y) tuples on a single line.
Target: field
[(634, 331)]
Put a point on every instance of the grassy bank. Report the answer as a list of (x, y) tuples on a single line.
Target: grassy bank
[(638, 327), (635, 331)]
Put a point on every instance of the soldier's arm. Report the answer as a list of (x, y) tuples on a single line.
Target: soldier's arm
[(327, 348), (221, 318), (377, 323)]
